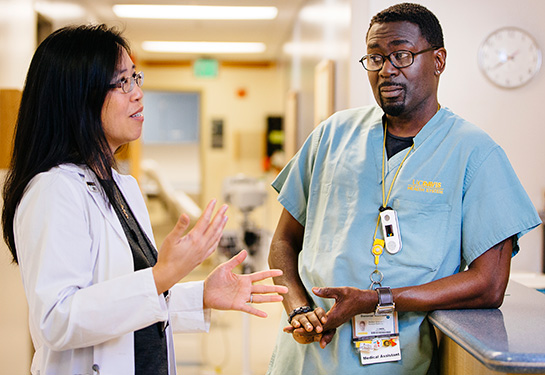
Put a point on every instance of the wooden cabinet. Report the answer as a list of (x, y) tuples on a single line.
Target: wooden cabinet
[(9, 107)]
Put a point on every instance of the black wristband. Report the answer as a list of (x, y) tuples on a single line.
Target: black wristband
[(299, 310)]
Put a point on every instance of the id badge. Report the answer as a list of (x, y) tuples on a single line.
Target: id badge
[(376, 338)]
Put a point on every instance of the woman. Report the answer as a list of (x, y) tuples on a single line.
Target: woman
[(101, 299)]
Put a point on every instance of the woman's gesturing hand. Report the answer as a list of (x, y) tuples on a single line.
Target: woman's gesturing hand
[(180, 254), (225, 290)]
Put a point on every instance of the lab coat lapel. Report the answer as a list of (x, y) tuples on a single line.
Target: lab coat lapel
[(94, 190)]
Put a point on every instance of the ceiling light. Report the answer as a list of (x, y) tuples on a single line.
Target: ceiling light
[(203, 47), (337, 14), (195, 12), (59, 10), (317, 49)]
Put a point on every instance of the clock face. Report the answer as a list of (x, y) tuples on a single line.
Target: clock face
[(509, 57)]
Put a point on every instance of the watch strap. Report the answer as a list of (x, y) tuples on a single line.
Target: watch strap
[(386, 303)]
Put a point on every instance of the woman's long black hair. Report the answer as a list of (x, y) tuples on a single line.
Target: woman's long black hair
[(59, 118)]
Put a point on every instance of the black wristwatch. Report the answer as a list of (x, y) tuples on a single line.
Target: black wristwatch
[(386, 303), (299, 310)]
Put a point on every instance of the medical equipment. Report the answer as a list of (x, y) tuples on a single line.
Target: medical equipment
[(246, 194)]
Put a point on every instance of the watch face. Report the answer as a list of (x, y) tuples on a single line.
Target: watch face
[(509, 57)]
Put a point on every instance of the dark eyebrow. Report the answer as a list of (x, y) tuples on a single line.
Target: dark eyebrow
[(394, 43), (400, 42)]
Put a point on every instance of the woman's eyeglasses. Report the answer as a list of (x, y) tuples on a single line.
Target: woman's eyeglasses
[(127, 83)]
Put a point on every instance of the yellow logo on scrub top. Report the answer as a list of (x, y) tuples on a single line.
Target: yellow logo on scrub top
[(433, 187)]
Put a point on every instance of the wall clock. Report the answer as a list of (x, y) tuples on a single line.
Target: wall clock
[(509, 57)]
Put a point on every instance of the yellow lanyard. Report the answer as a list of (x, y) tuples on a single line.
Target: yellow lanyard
[(378, 244), (387, 198)]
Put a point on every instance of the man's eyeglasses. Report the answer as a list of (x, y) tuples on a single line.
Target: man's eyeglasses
[(399, 59), (127, 83)]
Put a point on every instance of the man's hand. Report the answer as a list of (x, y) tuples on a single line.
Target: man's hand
[(308, 327), (310, 321), (349, 302), (304, 337), (315, 326)]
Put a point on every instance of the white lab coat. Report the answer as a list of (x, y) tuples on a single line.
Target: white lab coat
[(85, 300)]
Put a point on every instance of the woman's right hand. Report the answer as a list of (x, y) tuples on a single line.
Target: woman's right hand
[(180, 254)]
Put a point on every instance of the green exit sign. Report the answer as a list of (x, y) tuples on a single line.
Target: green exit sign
[(205, 68)]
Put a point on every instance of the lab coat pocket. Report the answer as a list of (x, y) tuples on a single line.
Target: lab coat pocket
[(424, 228)]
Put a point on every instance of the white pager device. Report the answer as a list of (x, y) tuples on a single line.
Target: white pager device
[(390, 230)]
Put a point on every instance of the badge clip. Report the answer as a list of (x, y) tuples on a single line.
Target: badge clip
[(390, 230)]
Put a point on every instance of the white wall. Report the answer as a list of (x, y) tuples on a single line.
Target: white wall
[(17, 41), (321, 32)]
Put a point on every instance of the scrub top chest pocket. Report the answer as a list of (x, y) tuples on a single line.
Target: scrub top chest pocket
[(424, 229)]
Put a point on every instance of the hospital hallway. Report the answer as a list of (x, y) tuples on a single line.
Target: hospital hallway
[(237, 343)]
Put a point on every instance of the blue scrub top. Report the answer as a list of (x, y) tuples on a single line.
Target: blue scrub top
[(456, 196)]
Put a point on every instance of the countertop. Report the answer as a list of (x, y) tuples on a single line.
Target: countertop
[(508, 339)]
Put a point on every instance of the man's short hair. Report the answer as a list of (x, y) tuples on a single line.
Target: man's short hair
[(414, 13)]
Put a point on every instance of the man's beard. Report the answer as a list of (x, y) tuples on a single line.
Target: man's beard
[(391, 107)]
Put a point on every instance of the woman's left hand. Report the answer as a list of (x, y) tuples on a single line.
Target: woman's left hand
[(225, 290)]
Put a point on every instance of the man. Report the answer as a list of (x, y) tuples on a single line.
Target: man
[(392, 202)]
